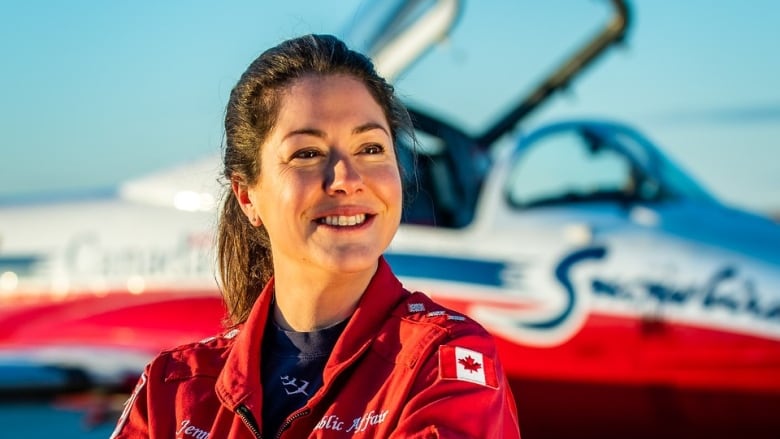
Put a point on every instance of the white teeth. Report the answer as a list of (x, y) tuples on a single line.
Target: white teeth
[(344, 220)]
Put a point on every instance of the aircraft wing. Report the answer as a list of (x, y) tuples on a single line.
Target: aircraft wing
[(90, 341), (190, 187)]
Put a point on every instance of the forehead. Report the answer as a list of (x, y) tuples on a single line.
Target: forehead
[(318, 95), (318, 83)]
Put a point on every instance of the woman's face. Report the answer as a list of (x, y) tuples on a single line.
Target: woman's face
[(329, 188)]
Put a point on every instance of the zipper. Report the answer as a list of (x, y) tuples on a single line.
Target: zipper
[(245, 414), (290, 420)]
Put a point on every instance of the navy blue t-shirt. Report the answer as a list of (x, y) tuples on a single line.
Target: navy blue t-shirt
[(292, 370)]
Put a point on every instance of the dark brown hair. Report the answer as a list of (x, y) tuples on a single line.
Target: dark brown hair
[(244, 251)]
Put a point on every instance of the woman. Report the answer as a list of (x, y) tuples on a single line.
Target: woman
[(325, 340)]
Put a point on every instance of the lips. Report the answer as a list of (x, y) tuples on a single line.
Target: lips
[(343, 220)]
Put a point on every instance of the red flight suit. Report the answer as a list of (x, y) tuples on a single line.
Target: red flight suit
[(404, 367)]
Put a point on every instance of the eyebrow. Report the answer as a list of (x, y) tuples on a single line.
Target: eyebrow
[(368, 127), (321, 134)]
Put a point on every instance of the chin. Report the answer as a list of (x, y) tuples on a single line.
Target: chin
[(352, 262)]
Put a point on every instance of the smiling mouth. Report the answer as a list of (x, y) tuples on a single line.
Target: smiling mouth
[(343, 221)]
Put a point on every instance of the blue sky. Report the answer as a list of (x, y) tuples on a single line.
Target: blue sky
[(97, 92)]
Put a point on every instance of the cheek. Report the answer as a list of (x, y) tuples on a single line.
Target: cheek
[(284, 198), (392, 189), (278, 197)]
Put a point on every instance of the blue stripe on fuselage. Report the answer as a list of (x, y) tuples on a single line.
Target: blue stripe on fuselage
[(471, 271), (19, 264)]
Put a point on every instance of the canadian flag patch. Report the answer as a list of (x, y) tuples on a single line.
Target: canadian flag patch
[(456, 363)]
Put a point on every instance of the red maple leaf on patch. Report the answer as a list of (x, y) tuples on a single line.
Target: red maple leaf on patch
[(469, 364)]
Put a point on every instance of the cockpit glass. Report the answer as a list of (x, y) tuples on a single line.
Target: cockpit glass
[(498, 52), (564, 168)]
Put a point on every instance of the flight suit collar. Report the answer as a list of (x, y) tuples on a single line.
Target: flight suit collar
[(239, 382)]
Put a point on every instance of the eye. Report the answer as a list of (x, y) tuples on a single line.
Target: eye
[(373, 148), (306, 154)]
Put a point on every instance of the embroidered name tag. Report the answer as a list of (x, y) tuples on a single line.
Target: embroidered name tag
[(356, 425), (189, 430), (456, 363)]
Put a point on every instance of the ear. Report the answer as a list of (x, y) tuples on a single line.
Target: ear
[(241, 192)]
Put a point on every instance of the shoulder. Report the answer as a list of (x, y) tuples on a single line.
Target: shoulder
[(419, 310), (464, 349), (203, 358)]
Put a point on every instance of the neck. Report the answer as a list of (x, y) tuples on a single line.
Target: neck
[(308, 302)]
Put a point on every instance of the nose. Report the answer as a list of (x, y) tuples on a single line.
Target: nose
[(345, 177)]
